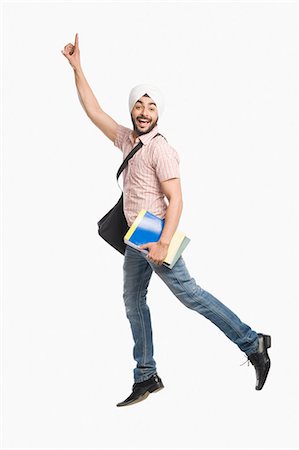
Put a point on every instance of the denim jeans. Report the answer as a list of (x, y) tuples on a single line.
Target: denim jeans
[(137, 270)]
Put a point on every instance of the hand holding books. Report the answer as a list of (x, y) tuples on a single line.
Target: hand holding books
[(147, 229), (156, 250)]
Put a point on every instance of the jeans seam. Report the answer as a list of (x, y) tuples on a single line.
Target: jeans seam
[(142, 320), (214, 312)]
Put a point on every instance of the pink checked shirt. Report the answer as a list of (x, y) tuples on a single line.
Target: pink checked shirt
[(154, 162)]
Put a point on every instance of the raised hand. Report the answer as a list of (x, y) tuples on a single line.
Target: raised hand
[(72, 53)]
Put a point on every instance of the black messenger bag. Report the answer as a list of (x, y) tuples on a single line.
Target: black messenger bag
[(113, 226)]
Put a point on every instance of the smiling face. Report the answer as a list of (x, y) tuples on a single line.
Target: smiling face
[(144, 115)]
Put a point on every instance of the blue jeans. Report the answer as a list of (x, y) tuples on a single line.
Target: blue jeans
[(137, 270)]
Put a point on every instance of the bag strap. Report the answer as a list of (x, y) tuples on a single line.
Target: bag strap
[(126, 160), (130, 155)]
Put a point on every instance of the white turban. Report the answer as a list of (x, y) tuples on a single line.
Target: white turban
[(139, 91)]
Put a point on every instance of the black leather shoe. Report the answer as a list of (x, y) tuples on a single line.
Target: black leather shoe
[(142, 390), (261, 360)]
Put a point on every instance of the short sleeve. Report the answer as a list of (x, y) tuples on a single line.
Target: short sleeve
[(166, 162), (122, 134)]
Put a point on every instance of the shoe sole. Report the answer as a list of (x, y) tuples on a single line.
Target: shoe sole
[(267, 344)]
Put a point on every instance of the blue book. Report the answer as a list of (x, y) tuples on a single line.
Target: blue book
[(148, 228)]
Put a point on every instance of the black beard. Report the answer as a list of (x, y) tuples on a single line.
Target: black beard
[(140, 133)]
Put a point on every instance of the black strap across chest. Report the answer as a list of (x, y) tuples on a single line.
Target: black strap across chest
[(130, 155)]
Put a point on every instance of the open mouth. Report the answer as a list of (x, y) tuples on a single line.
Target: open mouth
[(143, 122)]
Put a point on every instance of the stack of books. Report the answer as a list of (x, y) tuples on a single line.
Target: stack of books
[(148, 228)]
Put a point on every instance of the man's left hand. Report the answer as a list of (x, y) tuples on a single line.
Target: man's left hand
[(157, 251)]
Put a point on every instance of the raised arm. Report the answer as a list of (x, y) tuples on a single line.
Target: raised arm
[(87, 98)]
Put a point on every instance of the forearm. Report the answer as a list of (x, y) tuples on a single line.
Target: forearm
[(172, 219), (85, 94)]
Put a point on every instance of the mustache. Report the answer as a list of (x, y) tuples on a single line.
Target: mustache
[(142, 117)]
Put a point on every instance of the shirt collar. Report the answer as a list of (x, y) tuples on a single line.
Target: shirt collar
[(144, 138)]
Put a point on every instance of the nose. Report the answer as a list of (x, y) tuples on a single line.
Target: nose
[(145, 112)]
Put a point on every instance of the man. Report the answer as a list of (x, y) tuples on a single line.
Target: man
[(151, 175)]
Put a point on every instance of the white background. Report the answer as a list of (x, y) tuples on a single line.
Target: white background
[(229, 74)]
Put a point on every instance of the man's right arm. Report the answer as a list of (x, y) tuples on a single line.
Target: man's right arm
[(87, 98), (92, 108)]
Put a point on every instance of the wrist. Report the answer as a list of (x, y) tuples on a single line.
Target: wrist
[(78, 70), (164, 243)]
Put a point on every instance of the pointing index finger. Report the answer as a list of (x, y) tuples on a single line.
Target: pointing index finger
[(76, 40)]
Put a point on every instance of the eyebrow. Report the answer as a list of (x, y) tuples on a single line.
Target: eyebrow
[(152, 103)]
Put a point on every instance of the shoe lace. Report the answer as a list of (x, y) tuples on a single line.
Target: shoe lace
[(247, 361)]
